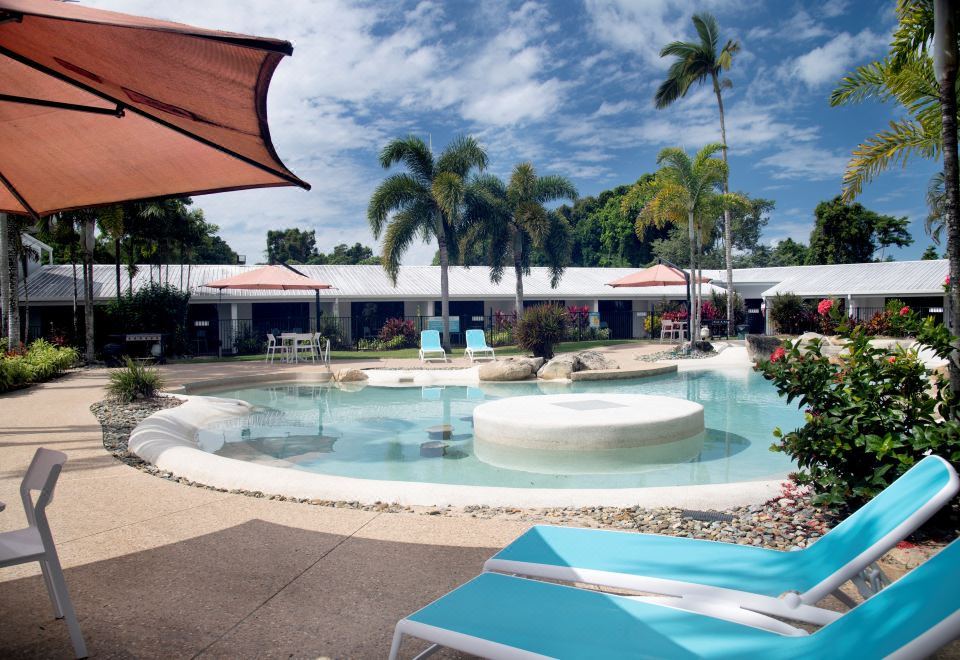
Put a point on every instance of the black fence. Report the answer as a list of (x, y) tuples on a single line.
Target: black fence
[(249, 336), (863, 314)]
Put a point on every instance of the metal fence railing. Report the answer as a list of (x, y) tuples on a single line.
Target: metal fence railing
[(249, 335)]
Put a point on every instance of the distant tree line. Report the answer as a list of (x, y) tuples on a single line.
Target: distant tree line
[(296, 246)]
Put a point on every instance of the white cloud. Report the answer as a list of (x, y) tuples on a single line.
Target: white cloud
[(807, 162), (607, 109), (829, 62)]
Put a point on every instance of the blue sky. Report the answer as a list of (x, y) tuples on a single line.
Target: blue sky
[(567, 85)]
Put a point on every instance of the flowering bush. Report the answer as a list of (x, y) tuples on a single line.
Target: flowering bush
[(402, 328), (709, 311), (824, 307), (868, 417), (675, 315)]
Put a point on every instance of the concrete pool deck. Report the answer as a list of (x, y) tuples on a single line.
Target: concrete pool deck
[(160, 569)]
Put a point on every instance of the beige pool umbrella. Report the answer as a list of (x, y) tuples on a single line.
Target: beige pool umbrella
[(98, 107)]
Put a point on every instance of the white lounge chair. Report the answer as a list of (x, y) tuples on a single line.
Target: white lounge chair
[(35, 543), (477, 346)]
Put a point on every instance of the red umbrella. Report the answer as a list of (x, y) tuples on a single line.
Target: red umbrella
[(100, 107), (659, 275)]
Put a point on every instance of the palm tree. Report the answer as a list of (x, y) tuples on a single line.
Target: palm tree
[(511, 221), (112, 224), (696, 62), (426, 201), (936, 220), (686, 191)]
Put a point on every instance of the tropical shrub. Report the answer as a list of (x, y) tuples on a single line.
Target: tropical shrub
[(790, 314), (248, 342), (719, 300), (154, 308), (398, 332), (329, 328), (831, 316), (135, 381), (869, 416), (499, 337), (540, 328), (38, 362)]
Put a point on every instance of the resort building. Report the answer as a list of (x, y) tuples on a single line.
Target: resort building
[(364, 297)]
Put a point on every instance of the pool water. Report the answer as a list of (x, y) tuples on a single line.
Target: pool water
[(377, 432)]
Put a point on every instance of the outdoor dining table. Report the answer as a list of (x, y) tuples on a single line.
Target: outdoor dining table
[(295, 339)]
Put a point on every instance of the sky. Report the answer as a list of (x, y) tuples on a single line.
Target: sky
[(567, 85)]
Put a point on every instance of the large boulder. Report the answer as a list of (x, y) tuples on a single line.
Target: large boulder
[(759, 347), (592, 360), (505, 370), (350, 376), (559, 367)]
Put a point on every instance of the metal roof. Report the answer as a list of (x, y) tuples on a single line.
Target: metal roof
[(891, 278), (885, 278), (56, 283)]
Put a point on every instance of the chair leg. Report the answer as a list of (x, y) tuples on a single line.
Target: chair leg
[(51, 591), (69, 614)]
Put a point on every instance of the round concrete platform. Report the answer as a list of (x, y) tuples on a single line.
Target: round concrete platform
[(578, 433)]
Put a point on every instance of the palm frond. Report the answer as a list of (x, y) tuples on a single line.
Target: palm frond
[(936, 219), (890, 147), (552, 187), (463, 154), (403, 229), (394, 193), (708, 30), (413, 152), (556, 248)]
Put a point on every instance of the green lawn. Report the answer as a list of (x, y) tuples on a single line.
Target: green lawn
[(566, 347)]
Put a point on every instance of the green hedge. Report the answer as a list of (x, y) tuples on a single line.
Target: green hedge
[(41, 361)]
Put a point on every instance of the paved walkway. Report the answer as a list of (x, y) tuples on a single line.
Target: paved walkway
[(158, 569)]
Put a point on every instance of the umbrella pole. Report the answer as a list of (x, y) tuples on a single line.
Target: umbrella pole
[(220, 327), (316, 325)]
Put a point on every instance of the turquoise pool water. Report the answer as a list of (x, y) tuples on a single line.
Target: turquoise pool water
[(377, 432)]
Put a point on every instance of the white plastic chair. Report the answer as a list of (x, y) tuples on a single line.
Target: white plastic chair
[(273, 347), (35, 543), (667, 330)]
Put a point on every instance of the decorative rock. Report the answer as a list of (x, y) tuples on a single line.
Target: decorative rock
[(433, 449), (350, 376), (759, 347), (559, 367), (504, 370), (440, 432), (590, 360), (703, 346)]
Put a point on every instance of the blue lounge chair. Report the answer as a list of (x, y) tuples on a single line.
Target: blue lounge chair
[(785, 584), (477, 344), (498, 616), (430, 345)]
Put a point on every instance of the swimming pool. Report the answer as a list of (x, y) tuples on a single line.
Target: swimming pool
[(377, 432)]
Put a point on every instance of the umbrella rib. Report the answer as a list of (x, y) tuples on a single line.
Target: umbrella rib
[(16, 193), (290, 178), (76, 107)]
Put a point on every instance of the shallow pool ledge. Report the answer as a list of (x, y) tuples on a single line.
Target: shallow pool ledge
[(168, 440)]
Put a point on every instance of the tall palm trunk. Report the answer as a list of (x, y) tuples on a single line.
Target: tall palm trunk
[(4, 275), (73, 264), (116, 249), (444, 287), (131, 266), (945, 63), (26, 296), (518, 270), (727, 229), (692, 316), (9, 278), (88, 246)]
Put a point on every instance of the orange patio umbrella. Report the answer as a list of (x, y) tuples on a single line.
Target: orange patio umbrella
[(100, 107), (659, 275), (272, 278), (267, 278)]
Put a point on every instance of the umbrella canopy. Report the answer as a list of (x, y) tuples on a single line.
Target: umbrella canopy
[(658, 275), (268, 278), (100, 107)]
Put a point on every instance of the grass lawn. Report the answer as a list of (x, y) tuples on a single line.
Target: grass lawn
[(565, 347)]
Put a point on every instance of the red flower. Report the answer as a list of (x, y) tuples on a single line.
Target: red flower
[(891, 359), (947, 281), (904, 310), (824, 307), (778, 354)]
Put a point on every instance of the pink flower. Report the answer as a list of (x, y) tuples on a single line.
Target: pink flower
[(904, 310), (824, 307), (946, 282), (891, 359), (778, 354)]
